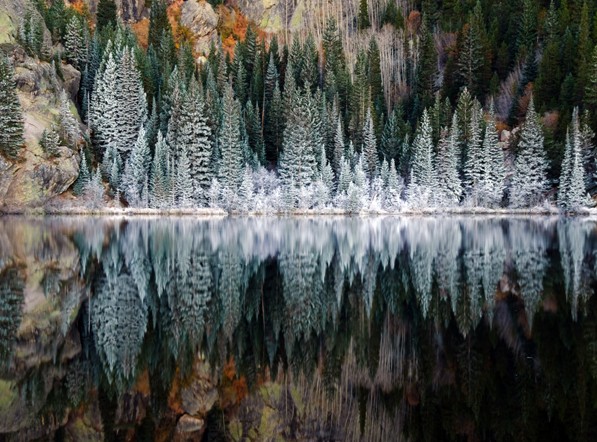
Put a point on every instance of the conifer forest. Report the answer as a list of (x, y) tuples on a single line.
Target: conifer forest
[(366, 106), (298, 220)]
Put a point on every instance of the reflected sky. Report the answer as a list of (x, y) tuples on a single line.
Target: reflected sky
[(426, 328)]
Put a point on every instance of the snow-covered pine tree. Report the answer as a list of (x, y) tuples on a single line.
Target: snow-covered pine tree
[(195, 133), (11, 120), (160, 182), (83, 177), (103, 113), (494, 169), (184, 181), (390, 137), (394, 189), (50, 141), (339, 148), (449, 184), (572, 193), (132, 102), (298, 161), (136, 171), (229, 142), (423, 172), (69, 126), (529, 180), (474, 166), (75, 43), (371, 157), (245, 191)]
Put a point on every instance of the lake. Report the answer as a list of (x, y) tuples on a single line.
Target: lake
[(381, 328)]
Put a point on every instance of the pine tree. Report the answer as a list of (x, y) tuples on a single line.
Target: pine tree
[(339, 148), (572, 193), (591, 87), (422, 166), (494, 170), (529, 180), (11, 120), (83, 177), (447, 166), (158, 22), (474, 165), (50, 142), (160, 182), (229, 141), (364, 21), (371, 157), (195, 134), (75, 43), (184, 182), (298, 161), (136, 170), (106, 13), (470, 56), (69, 126), (390, 138)]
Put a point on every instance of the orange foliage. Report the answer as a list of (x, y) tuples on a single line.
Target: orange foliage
[(233, 388), (500, 126), (413, 22), (141, 31), (142, 386), (232, 27)]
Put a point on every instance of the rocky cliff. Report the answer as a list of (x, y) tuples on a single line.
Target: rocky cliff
[(35, 178)]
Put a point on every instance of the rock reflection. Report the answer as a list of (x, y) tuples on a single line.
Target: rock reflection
[(366, 328)]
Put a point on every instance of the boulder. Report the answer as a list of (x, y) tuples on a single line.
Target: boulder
[(34, 178), (189, 424), (202, 21)]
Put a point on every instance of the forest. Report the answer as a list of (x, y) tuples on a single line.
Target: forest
[(380, 106)]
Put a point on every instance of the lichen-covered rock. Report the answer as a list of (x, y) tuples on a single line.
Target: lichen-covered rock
[(189, 424), (201, 19), (199, 394), (34, 178)]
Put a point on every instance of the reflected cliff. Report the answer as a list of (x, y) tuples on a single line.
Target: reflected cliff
[(311, 329)]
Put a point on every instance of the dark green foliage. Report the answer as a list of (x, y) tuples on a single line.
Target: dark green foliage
[(364, 21), (106, 14), (11, 301)]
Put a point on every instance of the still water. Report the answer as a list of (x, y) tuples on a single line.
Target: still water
[(298, 329)]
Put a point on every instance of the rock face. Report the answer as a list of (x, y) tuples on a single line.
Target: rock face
[(34, 178), (200, 394), (201, 19), (128, 10)]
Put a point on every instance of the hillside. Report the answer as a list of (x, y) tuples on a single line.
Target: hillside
[(282, 105)]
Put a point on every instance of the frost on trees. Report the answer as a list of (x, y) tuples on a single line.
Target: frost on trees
[(118, 321), (529, 180), (11, 302)]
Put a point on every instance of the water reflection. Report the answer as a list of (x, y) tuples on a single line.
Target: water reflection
[(329, 329)]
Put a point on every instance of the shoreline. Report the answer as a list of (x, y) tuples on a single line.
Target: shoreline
[(219, 213)]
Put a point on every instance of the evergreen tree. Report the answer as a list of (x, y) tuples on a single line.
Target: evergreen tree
[(529, 180), (447, 165), (83, 177), (371, 158), (69, 126), (106, 13), (475, 158), (339, 148), (184, 182), (364, 21), (591, 87), (75, 43), (422, 165), (470, 55), (160, 182), (11, 120), (50, 142), (136, 170), (158, 23), (298, 161), (229, 141), (494, 170), (572, 193)]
